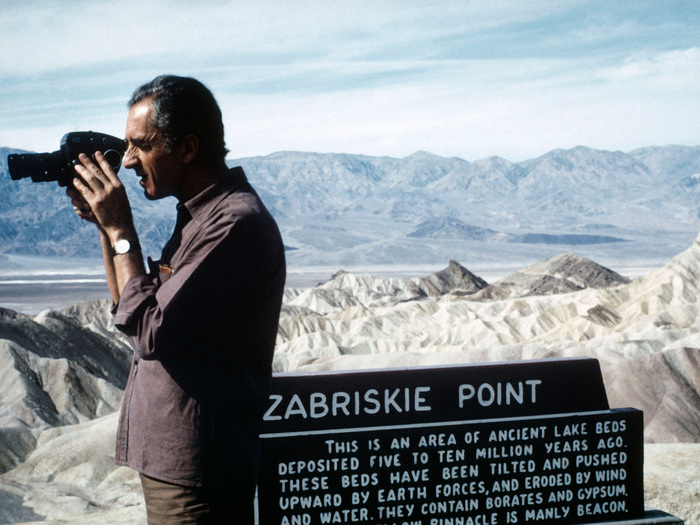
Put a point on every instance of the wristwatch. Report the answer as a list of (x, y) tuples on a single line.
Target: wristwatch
[(123, 246)]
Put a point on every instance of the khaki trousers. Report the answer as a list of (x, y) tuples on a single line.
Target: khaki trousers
[(171, 504)]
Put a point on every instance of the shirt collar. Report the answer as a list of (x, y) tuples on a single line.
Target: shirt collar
[(204, 203)]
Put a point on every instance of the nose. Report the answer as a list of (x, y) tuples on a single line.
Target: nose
[(129, 160)]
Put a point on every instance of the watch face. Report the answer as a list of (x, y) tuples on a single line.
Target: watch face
[(122, 246)]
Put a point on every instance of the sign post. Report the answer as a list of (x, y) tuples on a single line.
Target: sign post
[(487, 444)]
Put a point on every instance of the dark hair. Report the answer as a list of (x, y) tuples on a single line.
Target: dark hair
[(181, 106)]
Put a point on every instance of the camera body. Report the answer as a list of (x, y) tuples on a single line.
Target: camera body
[(59, 165)]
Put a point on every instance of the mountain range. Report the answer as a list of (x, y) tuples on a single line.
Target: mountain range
[(354, 210)]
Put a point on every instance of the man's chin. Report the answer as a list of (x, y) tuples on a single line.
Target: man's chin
[(148, 191), (152, 195)]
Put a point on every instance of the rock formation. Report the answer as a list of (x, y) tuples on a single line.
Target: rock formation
[(63, 372), (55, 371)]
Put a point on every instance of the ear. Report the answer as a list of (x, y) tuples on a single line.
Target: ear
[(189, 148)]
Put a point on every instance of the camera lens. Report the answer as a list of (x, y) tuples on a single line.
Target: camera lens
[(39, 166), (15, 166)]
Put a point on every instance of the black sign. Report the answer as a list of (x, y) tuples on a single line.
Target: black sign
[(484, 444), (304, 402)]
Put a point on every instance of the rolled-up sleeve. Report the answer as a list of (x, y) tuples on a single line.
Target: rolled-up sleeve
[(227, 267), (139, 291), (162, 317)]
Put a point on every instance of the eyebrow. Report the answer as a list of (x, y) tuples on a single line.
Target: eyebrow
[(139, 142)]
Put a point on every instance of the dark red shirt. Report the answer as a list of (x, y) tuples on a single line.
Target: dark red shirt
[(203, 326)]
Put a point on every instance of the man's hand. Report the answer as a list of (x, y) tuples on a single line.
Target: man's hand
[(80, 205), (100, 197)]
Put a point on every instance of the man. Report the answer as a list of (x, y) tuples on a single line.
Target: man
[(202, 320)]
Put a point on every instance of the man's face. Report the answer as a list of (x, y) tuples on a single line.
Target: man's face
[(160, 171)]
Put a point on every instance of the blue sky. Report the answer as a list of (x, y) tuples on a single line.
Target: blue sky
[(469, 79)]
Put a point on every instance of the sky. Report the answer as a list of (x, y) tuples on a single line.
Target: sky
[(470, 79)]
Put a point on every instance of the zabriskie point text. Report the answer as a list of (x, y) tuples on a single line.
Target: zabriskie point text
[(374, 401)]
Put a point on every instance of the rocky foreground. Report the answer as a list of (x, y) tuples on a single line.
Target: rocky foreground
[(62, 373)]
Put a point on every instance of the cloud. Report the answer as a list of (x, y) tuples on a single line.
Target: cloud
[(389, 77), (676, 64), (472, 109), (38, 37)]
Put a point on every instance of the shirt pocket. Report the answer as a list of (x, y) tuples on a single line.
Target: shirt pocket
[(161, 272)]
